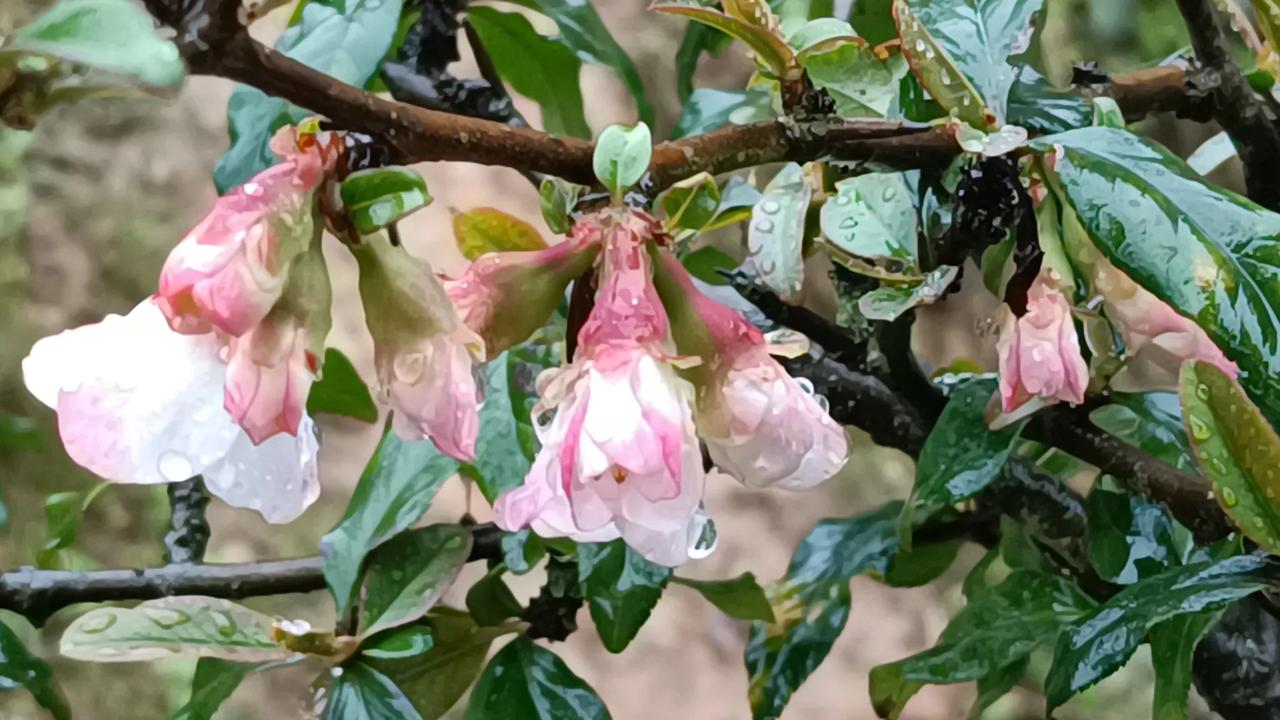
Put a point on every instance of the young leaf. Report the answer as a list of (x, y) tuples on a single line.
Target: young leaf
[(741, 598), (395, 490), (407, 575), (771, 50), (1102, 641), (621, 588), (1036, 105), (340, 391), (937, 71), (506, 444), (872, 217), (359, 692), (1129, 192), (558, 197), (486, 230), (62, 515), (709, 109), (537, 67), (1151, 421), (621, 157), (20, 669), (775, 237), (378, 197), (212, 685), (862, 84), (531, 683), (691, 203), (185, 626), (1236, 448), (889, 302), (706, 263)]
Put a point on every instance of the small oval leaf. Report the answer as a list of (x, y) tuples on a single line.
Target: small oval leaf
[(408, 574), (378, 197), (486, 230), (621, 156)]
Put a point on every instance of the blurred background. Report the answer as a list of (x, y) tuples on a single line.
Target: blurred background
[(90, 204)]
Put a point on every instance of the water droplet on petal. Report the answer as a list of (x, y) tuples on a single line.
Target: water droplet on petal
[(409, 367)]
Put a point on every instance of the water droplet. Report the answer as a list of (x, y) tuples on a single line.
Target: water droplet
[(98, 622), (920, 45), (843, 200), (1200, 429), (225, 624), (770, 206), (409, 367), (453, 542), (175, 467), (166, 617), (1257, 522), (764, 226), (1229, 497), (888, 194), (946, 77), (1202, 391)]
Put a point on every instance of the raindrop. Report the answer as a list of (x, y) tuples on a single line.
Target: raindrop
[(1257, 522), (888, 194), (770, 206), (764, 226), (166, 617), (919, 45), (408, 368), (174, 466), (1202, 391), (1200, 429), (843, 200), (224, 623), (1229, 497), (99, 622)]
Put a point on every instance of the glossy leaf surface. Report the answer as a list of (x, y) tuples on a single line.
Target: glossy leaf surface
[(527, 681), (621, 588), (410, 572), (340, 391)]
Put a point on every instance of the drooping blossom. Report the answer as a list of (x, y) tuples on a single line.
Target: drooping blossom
[(422, 353), (231, 268), (1039, 352), (761, 426), (506, 296), (620, 457), (140, 403)]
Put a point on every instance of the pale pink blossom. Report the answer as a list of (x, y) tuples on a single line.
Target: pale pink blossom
[(140, 403), (1039, 352), (761, 426), (231, 267), (269, 375)]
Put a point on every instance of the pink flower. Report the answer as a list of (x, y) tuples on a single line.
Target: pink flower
[(506, 296), (422, 353), (139, 403), (761, 426), (1040, 351), (620, 458), (230, 268)]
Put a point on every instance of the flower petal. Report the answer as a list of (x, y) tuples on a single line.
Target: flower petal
[(278, 478)]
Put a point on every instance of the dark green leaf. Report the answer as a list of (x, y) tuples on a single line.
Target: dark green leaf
[(691, 203), (212, 684), (708, 109), (378, 197), (583, 32), (621, 157), (621, 588), (395, 490), (485, 230), (741, 598), (407, 575), (706, 264), (873, 217), (362, 693), (1036, 105), (698, 38), (775, 238), (1130, 537), (1173, 644), (537, 67), (506, 444), (1236, 449), (861, 84), (1150, 421), (1103, 640), (529, 682), (20, 669), (345, 39), (1211, 254), (961, 456), (922, 564), (403, 642), (340, 391), (62, 515), (490, 601), (873, 20)]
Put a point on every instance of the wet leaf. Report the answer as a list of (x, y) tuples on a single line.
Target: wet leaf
[(63, 513), (873, 20), (522, 550), (1130, 537), (771, 50), (621, 588), (378, 197), (1212, 153), (710, 109), (186, 626), (558, 198), (938, 72), (921, 565), (861, 84), (359, 692), (1036, 105), (775, 238), (345, 39), (340, 391), (213, 683), (1236, 448), (873, 217), (394, 491), (741, 597), (90, 32), (621, 157), (506, 444), (20, 669), (1102, 641), (409, 573), (539, 68), (486, 230), (1173, 644), (1211, 254), (1150, 421), (691, 203), (403, 642), (527, 681), (811, 604), (737, 198), (706, 264), (993, 633), (889, 302), (490, 601)]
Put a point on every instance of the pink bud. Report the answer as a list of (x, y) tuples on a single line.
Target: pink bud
[(269, 375), (1040, 351)]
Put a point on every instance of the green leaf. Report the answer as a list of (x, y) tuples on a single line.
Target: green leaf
[(697, 39), (1236, 448), (583, 32), (709, 109), (811, 604), (737, 198), (340, 391), (1101, 642), (691, 203), (378, 197), (621, 588), (1107, 113), (994, 632), (529, 682), (114, 36), (212, 685), (1212, 153), (706, 262), (979, 36), (1036, 105), (537, 67), (345, 39), (486, 230), (889, 302), (1173, 643), (558, 198), (409, 573), (770, 49), (490, 601), (522, 550), (873, 20), (1150, 421), (360, 692), (1145, 208), (506, 444), (20, 669), (872, 217), (938, 72), (741, 597), (861, 84), (922, 564), (394, 491), (775, 238), (1130, 537), (621, 157), (433, 681), (63, 513), (403, 642), (186, 626)]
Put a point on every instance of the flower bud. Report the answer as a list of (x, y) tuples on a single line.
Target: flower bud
[(1040, 352)]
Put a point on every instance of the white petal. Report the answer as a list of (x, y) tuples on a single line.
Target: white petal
[(278, 478)]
